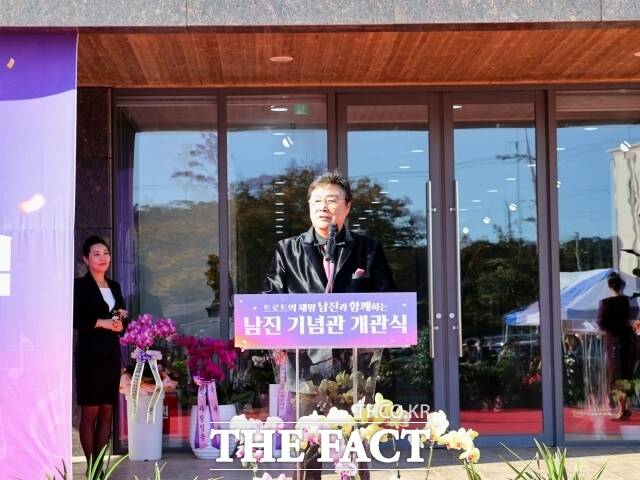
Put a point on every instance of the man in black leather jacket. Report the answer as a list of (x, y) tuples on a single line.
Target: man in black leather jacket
[(301, 265), (360, 264)]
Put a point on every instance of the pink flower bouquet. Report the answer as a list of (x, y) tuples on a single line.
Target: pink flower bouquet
[(143, 333)]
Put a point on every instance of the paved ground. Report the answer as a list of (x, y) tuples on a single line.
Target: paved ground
[(623, 463)]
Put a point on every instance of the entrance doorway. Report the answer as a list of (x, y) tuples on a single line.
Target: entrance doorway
[(449, 184)]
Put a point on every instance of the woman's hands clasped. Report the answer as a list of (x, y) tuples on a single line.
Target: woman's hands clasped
[(115, 323), (118, 319)]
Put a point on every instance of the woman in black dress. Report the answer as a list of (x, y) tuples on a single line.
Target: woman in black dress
[(98, 316), (613, 320)]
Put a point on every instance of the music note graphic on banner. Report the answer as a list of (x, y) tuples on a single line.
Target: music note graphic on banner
[(16, 372)]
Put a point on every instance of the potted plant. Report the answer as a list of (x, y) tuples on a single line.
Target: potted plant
[(214, 406), (144, 389)]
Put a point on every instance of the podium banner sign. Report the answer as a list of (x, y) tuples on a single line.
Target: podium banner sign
[(319, 320)]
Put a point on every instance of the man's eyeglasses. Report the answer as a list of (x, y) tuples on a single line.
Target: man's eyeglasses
[(329, 202)]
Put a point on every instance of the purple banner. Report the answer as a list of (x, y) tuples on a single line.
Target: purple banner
[(318, 320), (37, 201)]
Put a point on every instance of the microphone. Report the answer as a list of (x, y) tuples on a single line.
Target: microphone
[(330, 253)]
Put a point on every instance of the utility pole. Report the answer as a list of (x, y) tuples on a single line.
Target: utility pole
[(577, 250), (530, 163)]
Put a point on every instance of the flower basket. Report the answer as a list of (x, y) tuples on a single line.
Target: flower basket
[(144, 404), (207, 359)]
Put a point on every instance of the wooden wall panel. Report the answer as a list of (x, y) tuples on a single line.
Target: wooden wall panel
[(211, 59)]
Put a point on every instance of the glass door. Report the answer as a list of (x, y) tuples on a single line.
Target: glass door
[(495, 349), (385, 145), (449, 185)]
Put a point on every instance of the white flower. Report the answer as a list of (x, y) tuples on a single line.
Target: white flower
[(472, 455), (436, 425), (240, 451), (381, 409), (266, 476), (337, 418), (274, 423), (461, 439), (399, 418), (348, 468), (311, 426), (241, 422), (258, 455)]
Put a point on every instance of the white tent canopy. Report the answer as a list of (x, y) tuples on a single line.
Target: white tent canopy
[(580, 295)]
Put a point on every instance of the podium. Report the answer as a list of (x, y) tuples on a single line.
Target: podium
[(333, 342)]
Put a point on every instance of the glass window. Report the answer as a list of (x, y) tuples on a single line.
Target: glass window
[(388, 164), (500, 370), (599, 223), (276, 145), (175, 233)]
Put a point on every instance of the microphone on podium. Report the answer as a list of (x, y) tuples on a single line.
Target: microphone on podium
[(330, 253)]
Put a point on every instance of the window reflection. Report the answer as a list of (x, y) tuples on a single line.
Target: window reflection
[(277, 145), (388, 161), (500, 370), (175, 240), (599, 199)]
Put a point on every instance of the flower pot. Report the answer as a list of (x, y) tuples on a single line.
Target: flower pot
[(227, 412), (144, 439)]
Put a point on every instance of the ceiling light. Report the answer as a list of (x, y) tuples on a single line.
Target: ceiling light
[(279, 182), (279, 212), (561, 149), (279, 193), (362, 218), (393, 180), (513, 207), (278, 134), (279, 203), (281, 59), (590, 129), (287, 142), (487, 220), (368, 211), (492, 190), (417, 150), (511, 179), (279, 231), (375, 202), (279, 153), (279, 219), (404, 167), (355, 225), (457, 107), (278, 109), (625, 146)]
